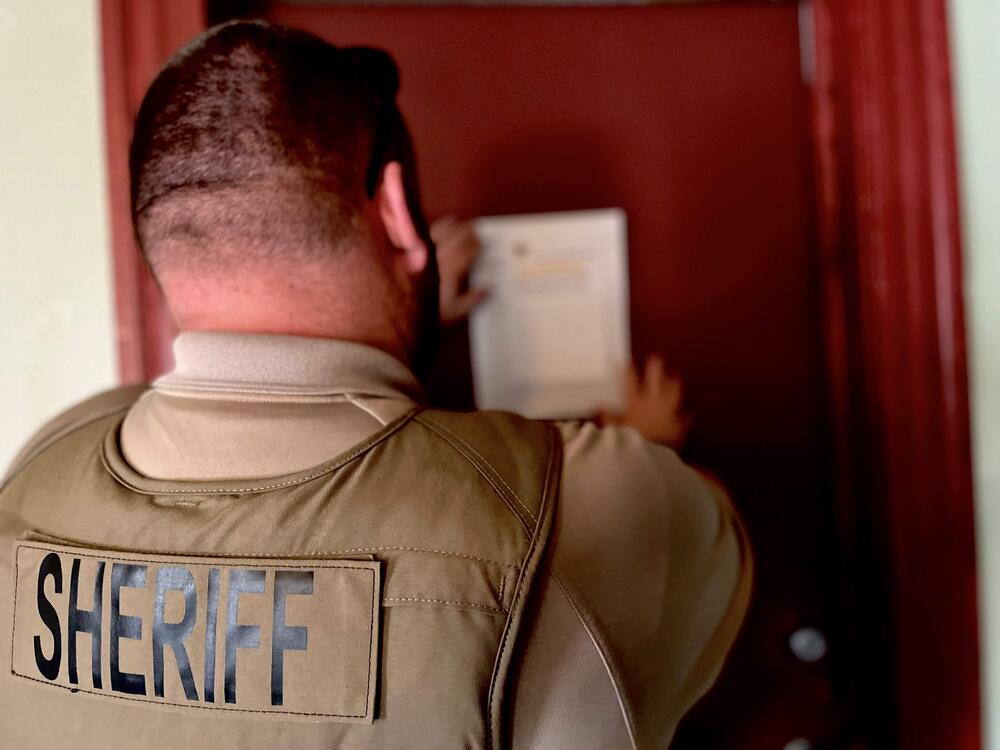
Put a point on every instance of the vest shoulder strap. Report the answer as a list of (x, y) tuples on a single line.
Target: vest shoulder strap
[(522, 459), (506, 448)]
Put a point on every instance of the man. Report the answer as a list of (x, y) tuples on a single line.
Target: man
[(275, 546)]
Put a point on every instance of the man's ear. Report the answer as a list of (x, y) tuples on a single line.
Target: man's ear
[(397, 219)]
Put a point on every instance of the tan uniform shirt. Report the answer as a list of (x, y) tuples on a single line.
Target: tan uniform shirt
[(647, 577)]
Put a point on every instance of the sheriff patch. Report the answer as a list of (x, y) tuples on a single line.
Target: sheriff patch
[(275, 636)]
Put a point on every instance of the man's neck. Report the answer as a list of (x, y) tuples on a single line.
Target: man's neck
[(314, 305)]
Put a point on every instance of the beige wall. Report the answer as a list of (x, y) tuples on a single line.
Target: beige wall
[(975, 37), (56, 332)]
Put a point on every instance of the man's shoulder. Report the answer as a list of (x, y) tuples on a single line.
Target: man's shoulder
[(634, 501), (634, 480), (97, 406), (496, 426), (523, 454), (654, 561)]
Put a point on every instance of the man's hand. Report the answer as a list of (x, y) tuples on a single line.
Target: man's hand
[(457, 247), (653, 406)]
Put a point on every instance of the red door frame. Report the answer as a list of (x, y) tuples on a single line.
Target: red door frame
[(137, 38), (896, 359), (890, 265)]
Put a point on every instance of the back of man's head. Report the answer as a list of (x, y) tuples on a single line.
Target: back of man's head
[(258, 143)]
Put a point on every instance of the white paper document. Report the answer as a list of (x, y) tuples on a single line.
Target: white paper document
[(552, 339)]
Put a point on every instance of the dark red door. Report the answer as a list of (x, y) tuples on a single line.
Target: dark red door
[(695, 120)]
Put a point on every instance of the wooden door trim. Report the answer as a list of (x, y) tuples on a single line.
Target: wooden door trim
[(136, 39), (890, 263)]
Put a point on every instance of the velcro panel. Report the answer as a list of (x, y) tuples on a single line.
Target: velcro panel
[(292, 637), (448, 579)]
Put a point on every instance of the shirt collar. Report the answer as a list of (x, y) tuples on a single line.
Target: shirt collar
[(276, 365)]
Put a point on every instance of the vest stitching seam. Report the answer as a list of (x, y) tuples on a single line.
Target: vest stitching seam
[(502, 481), (13, 604), (376, 606), (448, 436), (453, 438), (518, 598), (520, 591), (323, 469), (112, 558), (70, 542), (498, 475), (484, 468), (443, 601), (414, 549), (107, 694), (617, 683)]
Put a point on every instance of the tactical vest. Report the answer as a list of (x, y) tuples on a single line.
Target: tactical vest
[(372, 601)]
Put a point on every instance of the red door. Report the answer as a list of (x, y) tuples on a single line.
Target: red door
[(695, 120)]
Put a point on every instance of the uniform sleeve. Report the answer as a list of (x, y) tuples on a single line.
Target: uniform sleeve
[(102, 404), (655, 559)]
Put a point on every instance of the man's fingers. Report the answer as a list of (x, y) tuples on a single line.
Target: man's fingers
[(442, 227), (474, 296), (457, 248), (654, 375), (463, 304), (632, 385), (673, 389), (466, 245), (606, 418), (653, 403), (452, 232)]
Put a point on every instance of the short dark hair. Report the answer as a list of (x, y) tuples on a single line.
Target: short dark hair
[(260, 139)]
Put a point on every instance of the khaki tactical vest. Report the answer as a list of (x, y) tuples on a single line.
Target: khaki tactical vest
[(373, 601)]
